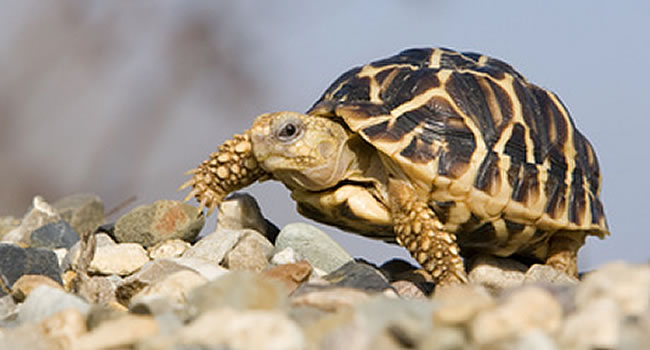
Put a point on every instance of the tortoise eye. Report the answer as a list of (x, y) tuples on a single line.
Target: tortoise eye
[(289, 131)]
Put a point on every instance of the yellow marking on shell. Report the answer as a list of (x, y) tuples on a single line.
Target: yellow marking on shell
[(434, 61)]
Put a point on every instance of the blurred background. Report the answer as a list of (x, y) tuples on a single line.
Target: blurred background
[(120, 98)]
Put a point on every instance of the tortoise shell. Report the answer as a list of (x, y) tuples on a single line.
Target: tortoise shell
[(498, 159)]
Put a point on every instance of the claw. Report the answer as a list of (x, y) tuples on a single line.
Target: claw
[(187, 184)]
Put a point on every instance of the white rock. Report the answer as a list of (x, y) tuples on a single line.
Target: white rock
[(172, 248), (120, 259)]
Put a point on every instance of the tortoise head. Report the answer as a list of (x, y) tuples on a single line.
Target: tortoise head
[(302, 151)]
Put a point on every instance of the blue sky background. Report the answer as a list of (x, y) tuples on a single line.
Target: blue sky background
[(593, 54)]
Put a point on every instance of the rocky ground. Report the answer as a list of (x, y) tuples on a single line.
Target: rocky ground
[(150, 282)]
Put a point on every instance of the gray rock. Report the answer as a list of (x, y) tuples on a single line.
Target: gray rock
[(496, 274), (54, 235), (594, 326), (40, 214), (241, 211), (172, 248), (526, 309), (16, 262), (408, 320), (157, 222), (358, 275), (286, 256), (7, 308), (156, 270), (241, 290), (628, 285), (84, 211), (214, 246), (539, 273), (252, 253), (45, 301), (318, 248), (120, 259), (100, 290)]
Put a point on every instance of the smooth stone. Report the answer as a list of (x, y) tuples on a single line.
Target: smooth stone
[(159, 221), (286, 256), (172, 248), (539, 273), (241, 290), (242, 329), (291, 275), (525, 309), (120, 259), (252, 252), (45, 301), (318, 248), (595, 326), (496, 274), (173, 289), (83, 211), (216, 245), (628, 285), (40, 214), (459, 304), (121, 333), (358, 275), (241, 211), (54, 235), (17, 261), (329, 299), (28, 283), (8, 223)]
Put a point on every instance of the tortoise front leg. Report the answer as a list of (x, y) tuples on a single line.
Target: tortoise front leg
[(418, 230)]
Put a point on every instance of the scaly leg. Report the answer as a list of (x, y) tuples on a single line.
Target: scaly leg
[(563, 251), (418, 230)]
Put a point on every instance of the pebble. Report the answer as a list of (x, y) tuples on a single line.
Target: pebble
[(27, 283), (121, 333), (328, 298), (241, 211), (291, 275), (286, 256), (172, 248), (173, 289), (593, 327), (120, 259), (45, 301), (83, 211), (57, 331), (216, 245), (252, 252), (539, 273), (159, 221), (318, 248), (41, 213), (408, 290), (358, 275), (207, 269), (496, 274), (459, 304), (54, 235), (16, 262), (7, 223)]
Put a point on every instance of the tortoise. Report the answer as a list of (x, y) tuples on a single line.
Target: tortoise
[(449, 154)]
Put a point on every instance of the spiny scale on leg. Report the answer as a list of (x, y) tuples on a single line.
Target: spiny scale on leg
[(229, 169)]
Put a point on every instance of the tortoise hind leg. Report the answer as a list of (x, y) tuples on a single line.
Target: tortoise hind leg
[(418, 230), (563, 251)]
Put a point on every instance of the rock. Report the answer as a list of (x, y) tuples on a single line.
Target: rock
[(172, 248), (358, 275), (45, 301), (533, 339), (27, 283), (526, 309), (57, 331), (319, 249), (252, 253), (394, 269), (8, 223), (628, 285), (72, 257), (286, 256), (241, 290), (122, 333), (214, 246), (459, 304), (84, 211), (54, 235), (8, 309), (100, 290), (291, 275), (206, 268), (328, 298), (496, 274), (173, 289), (539, 273), (120, 259), (594, 326), (241, 211), (408, 290), (163, 220), (250, 329), (447, 338), (156, 270), (39, 215), (16, 262)]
